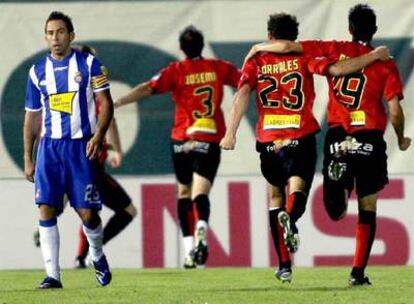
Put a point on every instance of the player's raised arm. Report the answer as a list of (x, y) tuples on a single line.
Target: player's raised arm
[(238, 109), (139, 92), (344, 67), (398, 120)]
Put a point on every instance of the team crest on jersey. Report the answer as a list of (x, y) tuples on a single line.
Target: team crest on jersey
[(78, 77), (104, 70)]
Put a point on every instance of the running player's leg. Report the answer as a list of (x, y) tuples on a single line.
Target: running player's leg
[(371, 177), (300, 174), (276, 208), (115, 197), (337, 178), (271, 165), (182, 161), (365, 235), (206, 160)]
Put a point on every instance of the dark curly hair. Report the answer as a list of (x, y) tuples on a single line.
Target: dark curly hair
[(191, 41), (362, 22), (283, 26), (60, 16)]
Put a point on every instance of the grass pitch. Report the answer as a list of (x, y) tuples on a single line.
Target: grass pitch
[(391, 285)]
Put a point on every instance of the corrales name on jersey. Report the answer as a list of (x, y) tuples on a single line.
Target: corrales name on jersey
[(198, 78), (280, 67)]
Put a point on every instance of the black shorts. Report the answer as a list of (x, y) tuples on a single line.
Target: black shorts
[(366, 163), (113, 195), (191, 156), (279, 162)]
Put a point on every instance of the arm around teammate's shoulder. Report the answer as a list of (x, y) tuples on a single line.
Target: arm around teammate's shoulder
[(345, 67)]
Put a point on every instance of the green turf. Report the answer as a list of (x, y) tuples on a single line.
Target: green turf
[(217, 285)]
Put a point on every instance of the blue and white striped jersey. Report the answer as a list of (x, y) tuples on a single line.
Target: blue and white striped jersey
[(64, 91)]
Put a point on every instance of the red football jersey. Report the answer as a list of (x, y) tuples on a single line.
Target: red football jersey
[(197, 90), (284, 94), (355, 100)]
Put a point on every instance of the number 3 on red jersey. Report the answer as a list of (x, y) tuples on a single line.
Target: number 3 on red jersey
[(208, 93)]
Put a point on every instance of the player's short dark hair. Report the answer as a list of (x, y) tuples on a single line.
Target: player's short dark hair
[(60, 16), (283, 26), (191, 41), (362, 22)]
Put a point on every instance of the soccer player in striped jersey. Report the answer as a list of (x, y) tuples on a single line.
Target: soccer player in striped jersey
[(197, 85), (355, 150), (61, 89), (285, 129)]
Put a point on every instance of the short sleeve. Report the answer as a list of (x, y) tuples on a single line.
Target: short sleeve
[(249, 74), (164, 81), (99, 76), (232, 74), (393, 85), (32, 101), (319, 65)]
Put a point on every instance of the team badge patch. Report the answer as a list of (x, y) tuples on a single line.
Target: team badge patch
[(104, 70), (78, 77)]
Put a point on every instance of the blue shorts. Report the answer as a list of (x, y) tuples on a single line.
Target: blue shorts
[(63, 168)]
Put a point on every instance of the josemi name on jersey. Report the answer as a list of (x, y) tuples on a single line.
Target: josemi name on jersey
[(198, 78)]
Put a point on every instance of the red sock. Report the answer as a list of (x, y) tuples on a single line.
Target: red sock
[(278, 242), (365, 234), (83, 245)]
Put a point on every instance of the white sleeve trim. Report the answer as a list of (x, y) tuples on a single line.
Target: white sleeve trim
[(33, 110)]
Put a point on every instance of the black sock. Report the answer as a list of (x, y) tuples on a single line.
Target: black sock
[(278, 242), (203, 207), (116, 224), (186, 216)]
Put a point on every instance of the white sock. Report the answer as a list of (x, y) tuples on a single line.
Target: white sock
[(49, 243), (188, 244), (95, 240)]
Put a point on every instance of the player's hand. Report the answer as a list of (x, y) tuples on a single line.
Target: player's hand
[(115, 160), (94, 146), (29, 170), (228, 143), (404, 143), (382, 53)]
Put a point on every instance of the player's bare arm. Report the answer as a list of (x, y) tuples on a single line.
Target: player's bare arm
[(397, 119), (139, 92), (344, 67), (238, 109), (30, 132), (275, 46), (114, 141), (104, 119)]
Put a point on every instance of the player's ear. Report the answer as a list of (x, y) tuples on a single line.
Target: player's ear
[(72, 36)]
